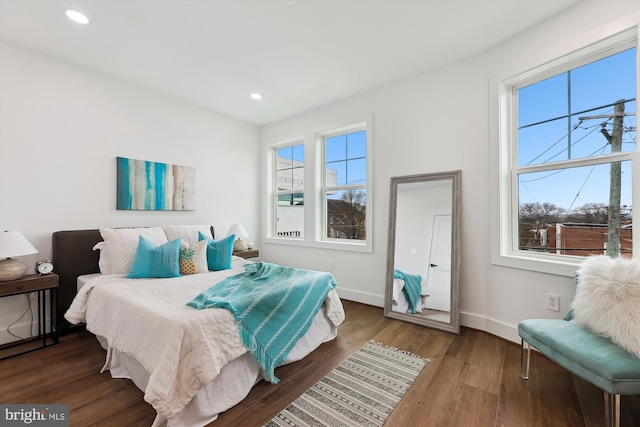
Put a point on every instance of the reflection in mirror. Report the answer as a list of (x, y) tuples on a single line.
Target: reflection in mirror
[(423, 250)]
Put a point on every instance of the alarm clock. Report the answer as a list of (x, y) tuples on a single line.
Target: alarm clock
[(44, 266)]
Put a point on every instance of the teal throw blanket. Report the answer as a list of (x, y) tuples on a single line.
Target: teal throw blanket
[(412, 287), (274, 306)]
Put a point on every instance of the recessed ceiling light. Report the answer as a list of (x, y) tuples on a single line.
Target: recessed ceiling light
[(256, 96), (76, 16)]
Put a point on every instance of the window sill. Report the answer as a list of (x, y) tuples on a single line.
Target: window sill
[(565, 266), (323, 244)]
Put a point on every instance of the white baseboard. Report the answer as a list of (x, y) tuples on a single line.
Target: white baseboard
[(18, 319), (362, 297), (22, 330), (470, 320), (492, 326)]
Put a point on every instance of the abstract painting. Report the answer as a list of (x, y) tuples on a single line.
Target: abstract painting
[(153, 186)]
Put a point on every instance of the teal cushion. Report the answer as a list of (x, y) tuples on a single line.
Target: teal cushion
[(155, 261), (588, 355), (218, 252)]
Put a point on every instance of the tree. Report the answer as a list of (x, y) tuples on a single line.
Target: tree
[(534, 217), (348, 215), (590, 213)]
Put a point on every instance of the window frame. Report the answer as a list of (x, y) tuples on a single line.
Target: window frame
[(504, 204), (315, 220), (276, 193), (322, 215)]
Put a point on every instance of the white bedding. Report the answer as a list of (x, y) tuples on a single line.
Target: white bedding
[(82, 280), (400, 300), (181, 348)]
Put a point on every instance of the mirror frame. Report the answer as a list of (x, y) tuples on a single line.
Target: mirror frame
[(454, 323)]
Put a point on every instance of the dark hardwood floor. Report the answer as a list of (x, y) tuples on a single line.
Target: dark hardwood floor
[(473, 380)]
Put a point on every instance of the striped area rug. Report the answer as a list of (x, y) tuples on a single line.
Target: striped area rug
[(362, 391)]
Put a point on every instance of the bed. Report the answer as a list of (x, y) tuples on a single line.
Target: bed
[(191, 364), (401, 300)]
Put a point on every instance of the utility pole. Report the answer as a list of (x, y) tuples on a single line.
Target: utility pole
[(615, 139)]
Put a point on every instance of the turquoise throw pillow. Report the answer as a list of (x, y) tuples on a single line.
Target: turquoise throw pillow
[(202, 236), (155, 261), (218, 252)]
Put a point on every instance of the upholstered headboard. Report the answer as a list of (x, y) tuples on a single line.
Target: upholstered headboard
[(73, 256)]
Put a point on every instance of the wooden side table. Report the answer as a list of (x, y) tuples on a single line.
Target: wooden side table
[(251, 253), (40, 285)]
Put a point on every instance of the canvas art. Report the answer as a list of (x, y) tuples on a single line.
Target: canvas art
[(154, 186)]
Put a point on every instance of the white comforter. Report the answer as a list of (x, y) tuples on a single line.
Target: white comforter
[(148, 319)]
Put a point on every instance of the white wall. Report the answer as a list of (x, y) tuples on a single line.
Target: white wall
[(442, 121), (61, 128)]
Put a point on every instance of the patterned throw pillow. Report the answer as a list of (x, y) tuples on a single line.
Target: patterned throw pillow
[(193, 258)]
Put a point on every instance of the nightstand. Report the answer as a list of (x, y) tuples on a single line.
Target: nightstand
[(251, 253), (40, 285)]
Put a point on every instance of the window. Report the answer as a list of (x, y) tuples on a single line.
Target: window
[(319, 188), (345, 186), (289, 191), (569, 131)]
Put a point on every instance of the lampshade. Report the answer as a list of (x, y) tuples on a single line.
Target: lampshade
[(240, 232), (13, 244)]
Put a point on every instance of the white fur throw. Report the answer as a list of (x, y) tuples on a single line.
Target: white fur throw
[(607, 299)]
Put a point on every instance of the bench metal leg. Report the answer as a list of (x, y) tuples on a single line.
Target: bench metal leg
[(612, 409), (525, 358)]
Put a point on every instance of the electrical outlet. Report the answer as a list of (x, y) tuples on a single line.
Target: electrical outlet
[(553, 302), (330, 264)]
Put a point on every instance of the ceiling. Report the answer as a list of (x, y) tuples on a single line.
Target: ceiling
[(298, 54)]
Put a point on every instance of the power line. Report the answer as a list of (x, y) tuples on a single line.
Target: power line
[(528, 191), (550, 147), (562, 151), (627, 129), (560, 140), (581, 187), (601, 149), (543, 177), (574, 114)]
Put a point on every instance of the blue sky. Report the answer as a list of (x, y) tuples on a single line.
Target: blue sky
[(581, 91), (345, 155)]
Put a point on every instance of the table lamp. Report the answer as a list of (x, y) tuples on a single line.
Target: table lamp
[(240, 232), (13, 244)]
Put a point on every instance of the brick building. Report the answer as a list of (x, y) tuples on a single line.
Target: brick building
[(575, 239)]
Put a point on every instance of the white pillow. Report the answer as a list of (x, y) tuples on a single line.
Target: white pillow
[(188, 233), (607, 300), (120, 244), (103, 261)]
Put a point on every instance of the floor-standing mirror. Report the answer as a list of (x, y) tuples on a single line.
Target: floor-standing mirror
[(423, 251)]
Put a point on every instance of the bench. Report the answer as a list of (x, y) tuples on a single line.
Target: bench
[(586, 354)]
